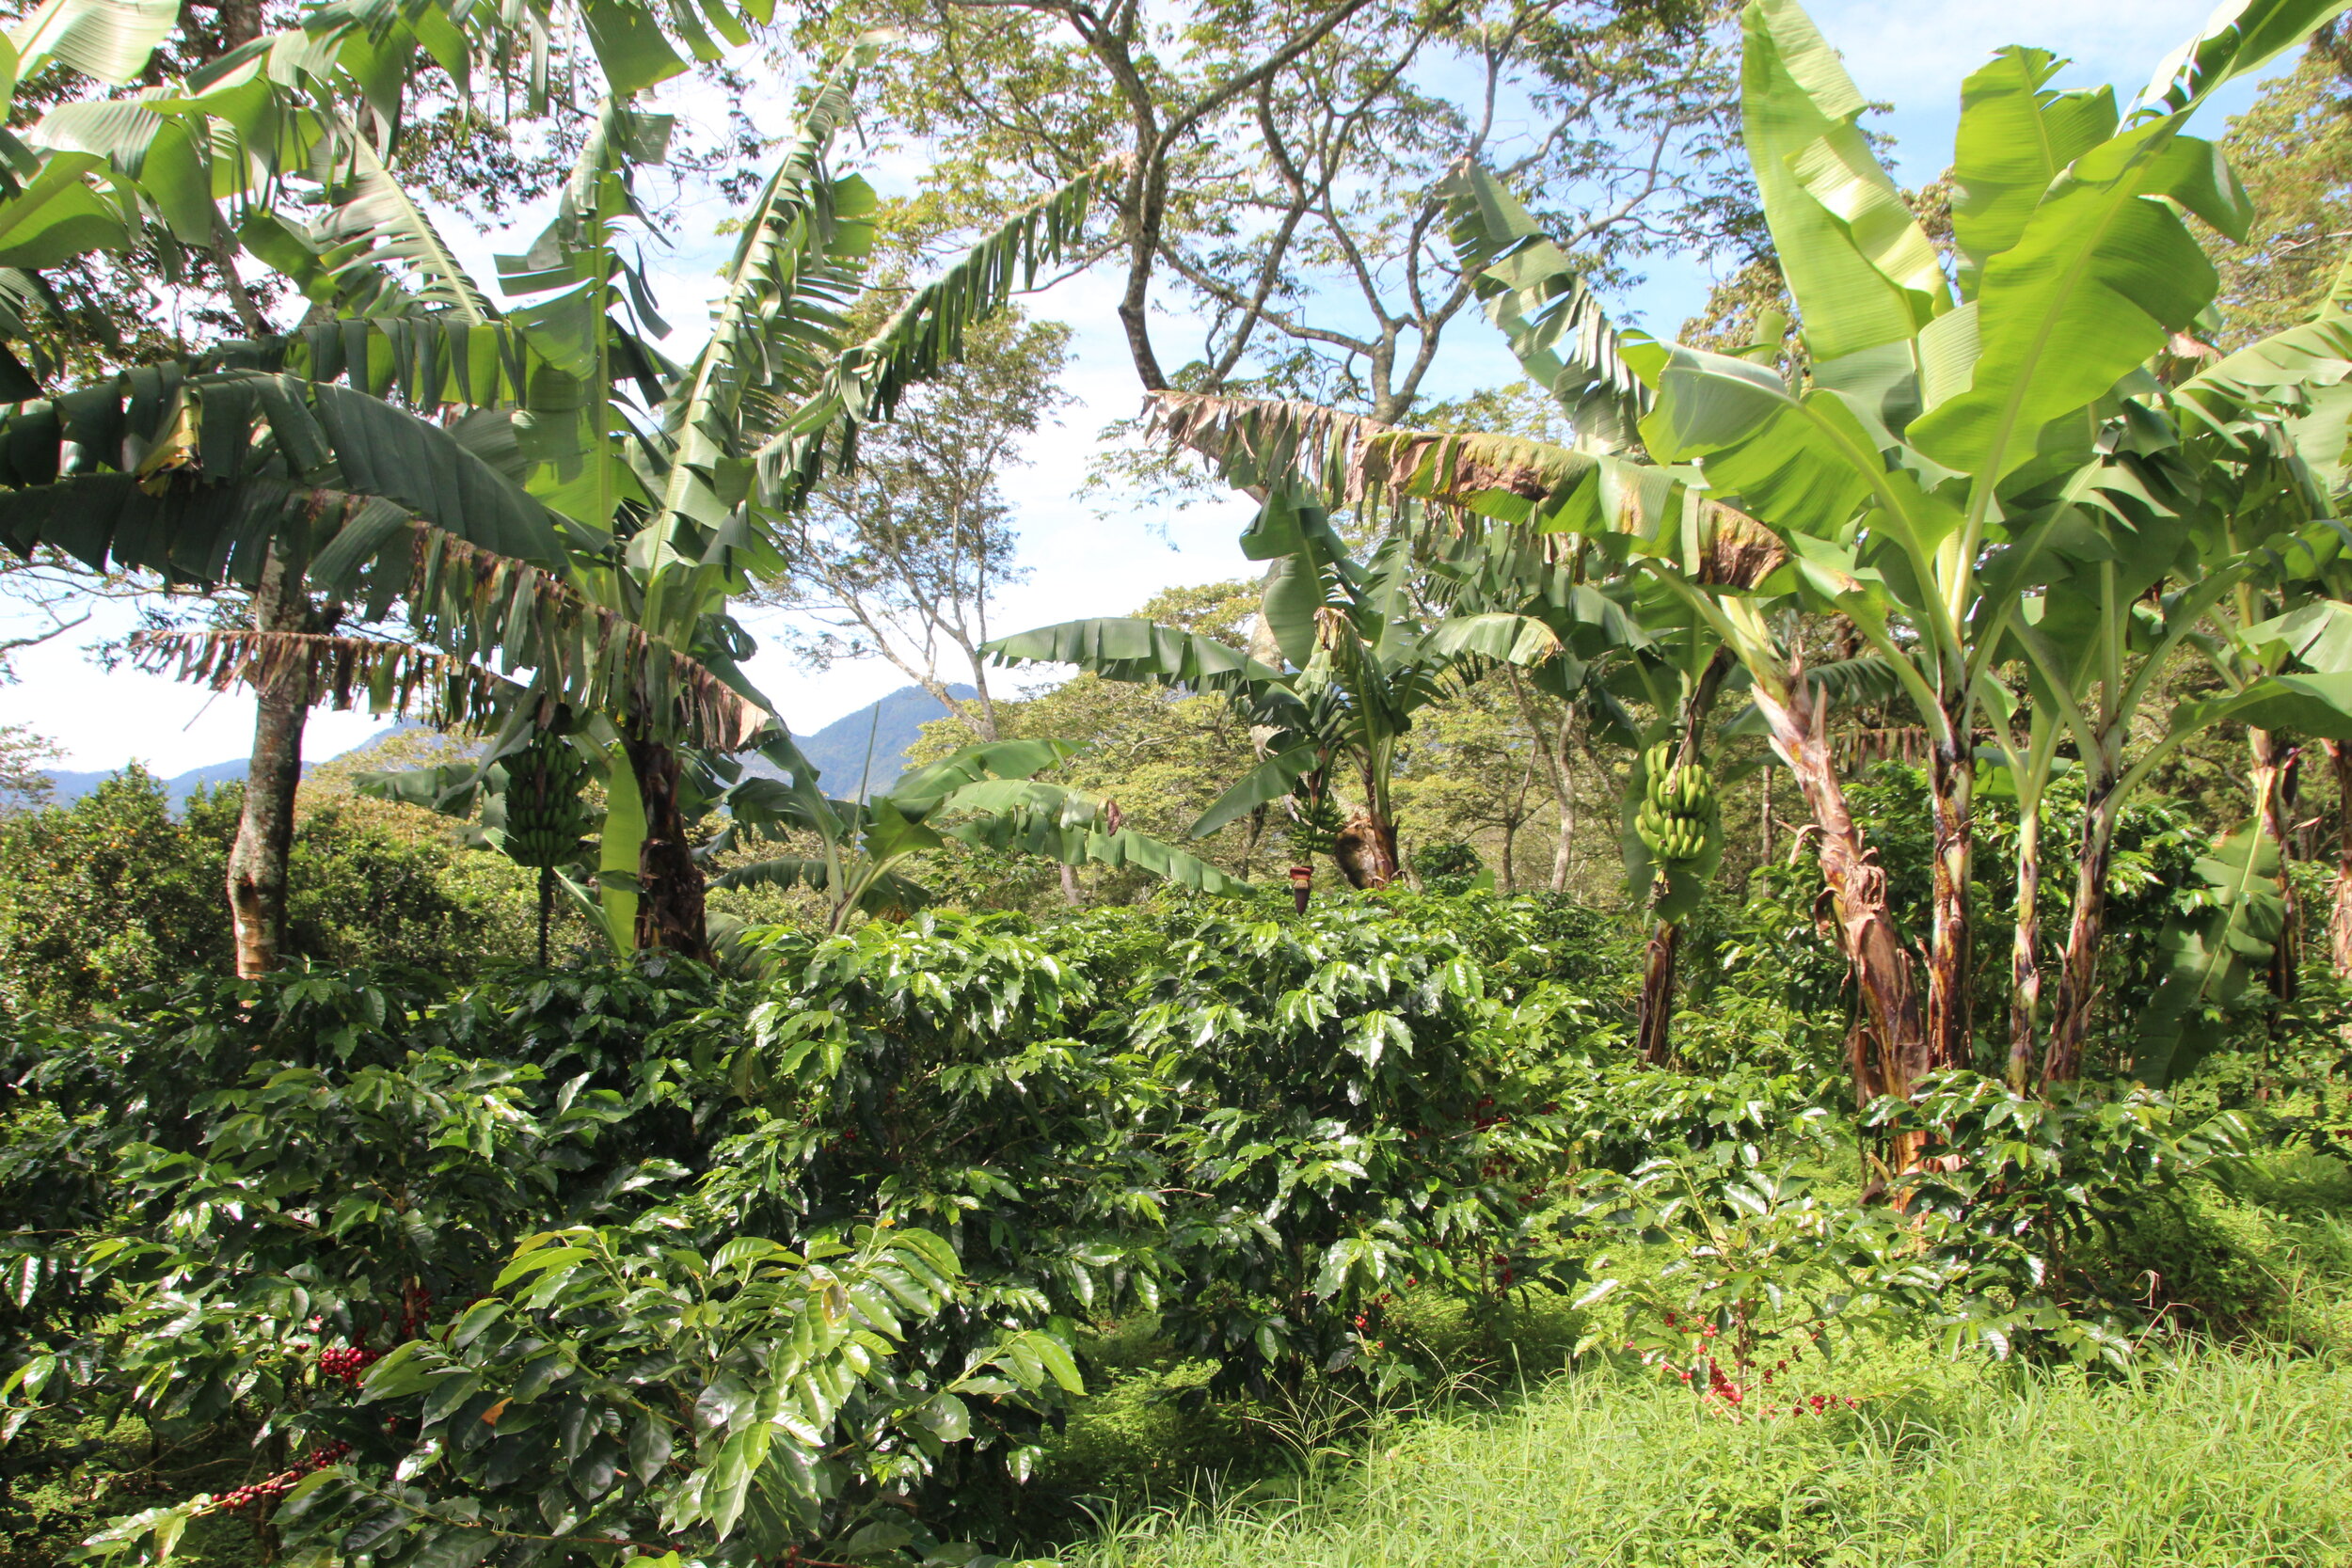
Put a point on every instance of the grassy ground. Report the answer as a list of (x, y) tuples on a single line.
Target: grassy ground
[(2225, 1459), (2228, 1449)]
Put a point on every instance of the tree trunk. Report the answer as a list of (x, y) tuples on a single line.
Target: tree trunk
[(257, 862), (1891, 1045), (2275, 767), (2078, 971), (2339, 912), (1951, 778), (2025, 962), (670, 884), (1652, 1023), (1366, 851), (988, 697), (1865, 1060), (240, 23), (1249, 846), (1553, 751), (1563, 789), (1070, 893)]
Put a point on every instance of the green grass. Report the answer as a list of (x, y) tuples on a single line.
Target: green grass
[(2233, 1452), (2222, 1459)]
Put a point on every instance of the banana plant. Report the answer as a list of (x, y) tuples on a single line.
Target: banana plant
[(195, 165), (1905, 472), (1900, 472), (2096, 642), (2313, 639), (983, 796), (167, 155), (58, 204), (587, 533), (2027, 764), (1468, 504), (2270, 424), (530, 785), (2219, 516), (1624, 640), (683, 490), (1675, 665), (2216, 516), (1358, 663)]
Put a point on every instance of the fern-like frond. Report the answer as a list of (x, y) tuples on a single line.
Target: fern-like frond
[(1346, 460), (866, 382), (1539, 299), (200, 479), (390, 677)]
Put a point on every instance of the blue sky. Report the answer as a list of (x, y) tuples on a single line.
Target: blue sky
[(1083, 562)]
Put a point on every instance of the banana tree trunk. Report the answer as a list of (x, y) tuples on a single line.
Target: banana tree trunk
[(1865, 1061), (1951, 779), (2025, 962), (1366, 851), (2339, 910), (2275, 767), (670, 883), (1653, 1029), (257, 861), (1890, 1047), (2078, 971)]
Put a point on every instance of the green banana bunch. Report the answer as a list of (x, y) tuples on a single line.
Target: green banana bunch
[(545, 818), (1677, 808), (1315, 831)]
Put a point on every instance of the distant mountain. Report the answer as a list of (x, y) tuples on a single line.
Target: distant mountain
[(892, 724), (838, 749), (69, 784)]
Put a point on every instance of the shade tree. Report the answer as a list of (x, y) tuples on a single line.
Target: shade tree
[(902, 557), (1282, 171)]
